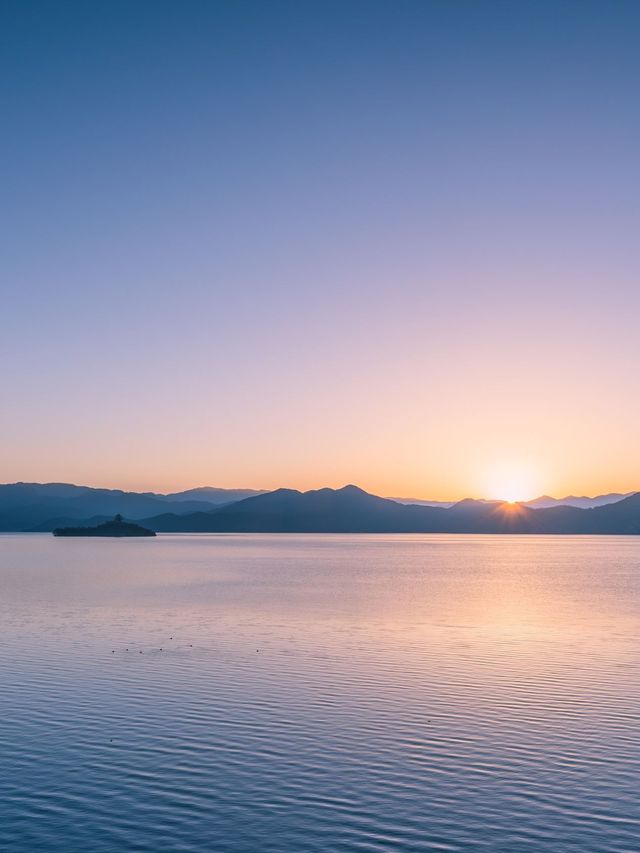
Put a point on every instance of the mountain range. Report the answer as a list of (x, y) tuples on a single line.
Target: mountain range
[(42, 507), (583, 502), (352, 510)]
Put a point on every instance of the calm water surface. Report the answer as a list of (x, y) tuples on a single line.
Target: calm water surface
[(320, 693)]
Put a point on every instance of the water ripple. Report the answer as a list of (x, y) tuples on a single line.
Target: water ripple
[(266, 693)]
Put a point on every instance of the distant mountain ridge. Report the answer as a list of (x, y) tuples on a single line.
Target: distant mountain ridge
[(211, 494), (421, 502), (42, 507), (542, 502), (352, 510), (582, 502)]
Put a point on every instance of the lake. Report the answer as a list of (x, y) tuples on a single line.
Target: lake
[(320, 693)]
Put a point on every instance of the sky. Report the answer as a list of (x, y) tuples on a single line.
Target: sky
[(308, 243)]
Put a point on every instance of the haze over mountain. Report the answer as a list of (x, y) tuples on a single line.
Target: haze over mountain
[(542, 502), (582, 502)]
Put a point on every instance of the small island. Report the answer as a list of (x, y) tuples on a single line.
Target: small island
[(116, 527)]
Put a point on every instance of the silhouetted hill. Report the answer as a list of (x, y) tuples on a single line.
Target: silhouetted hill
[(113, 528), (288, 510), (351, 510), (25, 506)]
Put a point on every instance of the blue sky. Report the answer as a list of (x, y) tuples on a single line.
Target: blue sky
[(309, 243)]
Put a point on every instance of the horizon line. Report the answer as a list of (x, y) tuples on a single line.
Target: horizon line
[(396, 497)]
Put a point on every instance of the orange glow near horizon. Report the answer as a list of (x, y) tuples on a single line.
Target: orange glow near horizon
[(509, 481), (238, 455)]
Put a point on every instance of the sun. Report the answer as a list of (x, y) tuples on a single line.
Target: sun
[(511, 482), (512, 493)]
